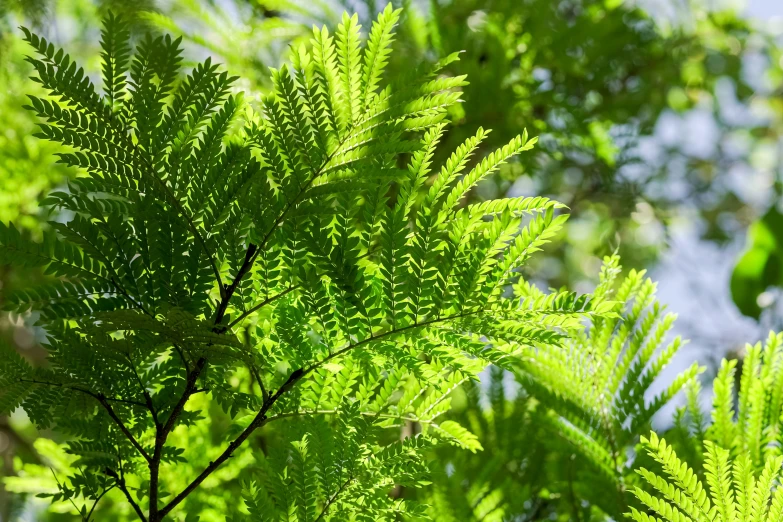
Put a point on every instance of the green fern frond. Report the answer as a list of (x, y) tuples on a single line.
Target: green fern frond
[(595, 385), (115, 55), (736, 492), (295, 265)]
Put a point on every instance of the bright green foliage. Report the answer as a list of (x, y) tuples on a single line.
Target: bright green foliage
[(562, 447), (338, 474), (741, 449), (302, 261), (734, 490), (596, 386), (503, 481), (755, 429)]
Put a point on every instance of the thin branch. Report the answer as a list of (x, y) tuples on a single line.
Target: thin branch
[(254, 250), (227, 292), (176, 203), (123, 401), (389, 333), (261, 305), (60, 487), (264, 393), (335, 412), (121, 484), (95, 504), (275, 297), (122, 427), (257, 422), (147, 397), (104, 401), (162, 433), (333, 498), (260, 419), (182, 357), (127, 296), (190, 388), (82, 390)]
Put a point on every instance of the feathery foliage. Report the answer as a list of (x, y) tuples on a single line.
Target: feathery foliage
[(502, 482), (560, 427), (304, 261), (736, 490), (594, 390), (738, 455)]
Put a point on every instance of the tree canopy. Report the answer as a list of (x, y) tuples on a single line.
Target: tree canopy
[(307, 262)]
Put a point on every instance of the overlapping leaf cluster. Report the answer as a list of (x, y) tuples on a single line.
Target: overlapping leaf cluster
[(562, 448), (596, 389), (729, 470), (302, 261)]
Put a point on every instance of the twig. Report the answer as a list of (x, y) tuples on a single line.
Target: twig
[(82, 390), (261, 305), (260, 419), (389, 333), (264, 393), (333, 498), (95, 504), (190, 388), (147, 398), (188, 219), (254, 250), (60, 487), (103, 401), (122, 427), (162, 433), (182, 357), (121, 484)]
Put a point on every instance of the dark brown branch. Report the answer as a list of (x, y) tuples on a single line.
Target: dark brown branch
[(122, 427), (257, 422), (254, 250), (162, 433), (190, 388), (257, 377), (155, 478), (260, 419), (121, 484), (147, 398), (228, 291)]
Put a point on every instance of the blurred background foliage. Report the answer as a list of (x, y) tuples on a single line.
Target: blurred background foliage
[(661, 127)]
